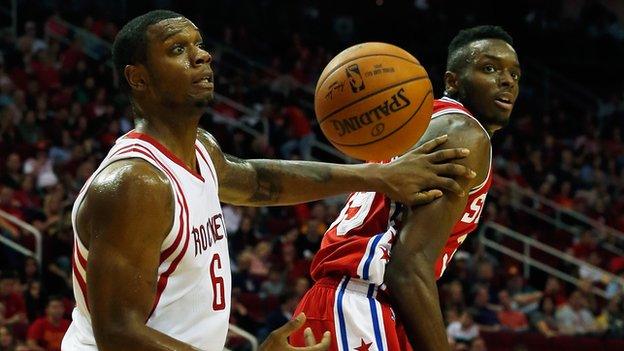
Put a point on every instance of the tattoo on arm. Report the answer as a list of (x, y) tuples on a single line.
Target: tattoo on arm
[(272, 178), (268, 187)]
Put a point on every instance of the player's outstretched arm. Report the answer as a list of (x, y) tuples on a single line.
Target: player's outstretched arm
[(410, 275), (124, 219), (417, 177), (278, 339)]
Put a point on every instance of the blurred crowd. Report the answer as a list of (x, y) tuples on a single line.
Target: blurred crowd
[(60, 112)]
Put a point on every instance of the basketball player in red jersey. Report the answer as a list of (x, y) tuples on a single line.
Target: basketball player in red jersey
[(359, 272), (151, 266)]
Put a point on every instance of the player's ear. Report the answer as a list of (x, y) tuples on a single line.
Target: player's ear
[(136, 77), (450, 83)]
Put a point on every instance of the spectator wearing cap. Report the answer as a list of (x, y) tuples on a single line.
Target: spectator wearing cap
[(46, 333)]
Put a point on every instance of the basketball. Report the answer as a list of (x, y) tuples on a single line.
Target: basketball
[(373, 101)]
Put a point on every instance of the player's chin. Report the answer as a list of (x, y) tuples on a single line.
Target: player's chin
[(502, 119), (203, 100)]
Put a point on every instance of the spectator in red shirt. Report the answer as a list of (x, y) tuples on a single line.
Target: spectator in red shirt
[(586, 244), (509, 316), (301, 134), (14, 306), (46, 333)]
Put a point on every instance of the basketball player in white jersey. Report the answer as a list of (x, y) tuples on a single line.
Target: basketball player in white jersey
[(151, 266)]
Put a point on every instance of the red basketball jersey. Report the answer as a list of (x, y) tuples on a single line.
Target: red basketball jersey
[(359, 242)]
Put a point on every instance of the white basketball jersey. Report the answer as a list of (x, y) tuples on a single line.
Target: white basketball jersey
[(192, 302)]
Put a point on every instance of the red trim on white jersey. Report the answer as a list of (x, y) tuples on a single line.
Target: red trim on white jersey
[(214, 178), (141, 136), (77, 259)]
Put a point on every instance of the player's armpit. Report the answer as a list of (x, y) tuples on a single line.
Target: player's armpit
[(123, 219), (410, 275)]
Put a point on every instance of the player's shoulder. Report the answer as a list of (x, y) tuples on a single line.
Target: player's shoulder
[(463, 125), (207, 139), (129, 180)]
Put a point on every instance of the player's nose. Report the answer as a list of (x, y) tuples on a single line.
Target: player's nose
[(506, 79), (202, 57)]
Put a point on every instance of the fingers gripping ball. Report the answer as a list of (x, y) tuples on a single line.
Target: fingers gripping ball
[(373, 101)]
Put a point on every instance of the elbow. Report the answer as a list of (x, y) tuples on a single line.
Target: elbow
[(115, 335)]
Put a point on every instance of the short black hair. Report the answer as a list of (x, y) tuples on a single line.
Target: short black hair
[(130, 45), (456, 56)]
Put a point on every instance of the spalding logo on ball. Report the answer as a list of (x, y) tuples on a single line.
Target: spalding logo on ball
[(373, 101)]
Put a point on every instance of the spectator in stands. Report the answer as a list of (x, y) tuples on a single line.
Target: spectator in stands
[(7, 342), (260, 265), (616, 285), (574, 318), (12, 175), (611, 320), (241, 277), (543, 320), (284, 313), (553, 290), (591, 270), (300, 132), (455, 296), (35, 303), (274, 285), (46, 333), (509, 316), (478, 344), (484, 314), (586, 244), (309, 241), (14, 306), (464, 330), (525, 298)]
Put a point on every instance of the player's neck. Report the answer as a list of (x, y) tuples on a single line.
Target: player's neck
[(491, 128), (176, 130)]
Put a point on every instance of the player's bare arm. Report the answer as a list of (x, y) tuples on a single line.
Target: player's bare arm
[(123, 221), (410, 274), (416, 178)]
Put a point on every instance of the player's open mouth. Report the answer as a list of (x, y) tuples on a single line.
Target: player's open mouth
[(205, 81), (504, 102)]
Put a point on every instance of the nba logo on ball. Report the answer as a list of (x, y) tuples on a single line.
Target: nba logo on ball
[(382, 117), (355, 78)]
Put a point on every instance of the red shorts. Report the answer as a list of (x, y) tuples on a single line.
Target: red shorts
[(357, 318)]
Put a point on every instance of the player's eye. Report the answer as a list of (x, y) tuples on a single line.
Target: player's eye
[(489, 69), (201, 45), (177, 49), (515, 75)]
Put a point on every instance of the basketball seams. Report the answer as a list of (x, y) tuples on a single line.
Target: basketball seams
[(389, 134), (410, 80), (320, 84)]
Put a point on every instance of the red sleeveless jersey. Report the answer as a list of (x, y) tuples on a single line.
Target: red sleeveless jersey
[(359, 242)]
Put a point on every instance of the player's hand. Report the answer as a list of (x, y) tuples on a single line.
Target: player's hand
[(419, 176), (278, 339)]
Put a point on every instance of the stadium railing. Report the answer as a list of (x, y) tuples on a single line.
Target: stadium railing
[(524, 249), (27, 228), (253, 341), (570, 221)]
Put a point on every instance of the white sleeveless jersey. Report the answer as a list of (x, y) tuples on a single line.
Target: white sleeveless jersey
[(192, 302)]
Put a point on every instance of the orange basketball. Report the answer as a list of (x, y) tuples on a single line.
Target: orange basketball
[(373, 101)]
